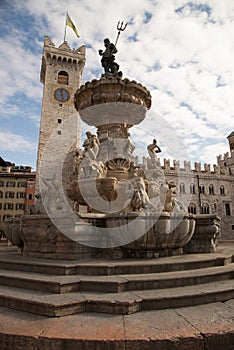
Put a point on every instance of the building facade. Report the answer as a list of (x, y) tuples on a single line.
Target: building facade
[(17, 190), (205, 190)]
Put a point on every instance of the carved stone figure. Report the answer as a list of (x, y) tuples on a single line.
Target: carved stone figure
[(52, 195), (77, 159), (91, 146), (153, 149), (140, 199), (168, 198), (89, 164)]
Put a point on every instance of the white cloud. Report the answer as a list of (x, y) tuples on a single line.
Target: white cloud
[(14, 142)]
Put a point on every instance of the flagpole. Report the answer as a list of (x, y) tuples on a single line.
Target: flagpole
[(65, 30)]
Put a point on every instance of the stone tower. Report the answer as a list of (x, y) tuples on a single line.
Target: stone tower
[(231, 159), (61, 73)]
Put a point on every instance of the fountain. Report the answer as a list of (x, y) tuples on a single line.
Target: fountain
[(130, 215)]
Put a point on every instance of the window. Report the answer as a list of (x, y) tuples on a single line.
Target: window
[(0, 206), (182, 187), (6, 217), (63, 78), (211, 189), (227, 209), (59, 132), (202, 189), (192, 189), (205, 209), (31, 185), (1, 194), (19, 206), (232, 227), (192, 209), (20, 194), (22, 184), (1, 183), (9, 195), (59, 121), (30, 196), (8, 206), (10, 184), (222, 190)]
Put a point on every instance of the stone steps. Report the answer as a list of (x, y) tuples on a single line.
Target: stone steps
[(49, 304), (11, 260), (115, 283), (59, 288)]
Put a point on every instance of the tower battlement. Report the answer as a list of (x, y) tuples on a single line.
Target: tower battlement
[(62, 56)]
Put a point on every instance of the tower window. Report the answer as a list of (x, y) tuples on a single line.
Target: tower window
[(59, 132), (63, 78), (59, 121), (227, 209)]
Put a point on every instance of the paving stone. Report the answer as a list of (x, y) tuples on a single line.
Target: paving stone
[(161, 330), (214, 321), (88, 332)]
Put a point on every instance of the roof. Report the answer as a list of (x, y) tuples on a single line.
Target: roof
[(232, 134), (3, 162)]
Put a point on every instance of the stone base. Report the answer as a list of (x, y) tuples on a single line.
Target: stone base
[(206, 235), (42, 239)]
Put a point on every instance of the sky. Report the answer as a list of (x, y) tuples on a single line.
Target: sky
[(182, 51)]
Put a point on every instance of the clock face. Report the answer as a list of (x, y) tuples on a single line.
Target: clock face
[(62, 95)]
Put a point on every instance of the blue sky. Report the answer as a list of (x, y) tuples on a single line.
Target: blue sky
[(182, 51)]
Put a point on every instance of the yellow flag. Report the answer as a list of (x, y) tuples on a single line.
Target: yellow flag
[(72, 25)]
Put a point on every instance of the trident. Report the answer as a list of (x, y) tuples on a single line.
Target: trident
[(120, 27)]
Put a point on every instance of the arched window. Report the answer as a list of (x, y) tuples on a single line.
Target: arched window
[(205, 209), (222, 190), (192, 209), (202, 189), (192, 188), (182, 187), (63, 78), (211, 189)]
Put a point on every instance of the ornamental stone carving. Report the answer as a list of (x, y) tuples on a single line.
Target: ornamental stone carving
[(109, 90)]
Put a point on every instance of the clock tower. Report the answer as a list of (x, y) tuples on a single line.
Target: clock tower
[(61, 73)]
